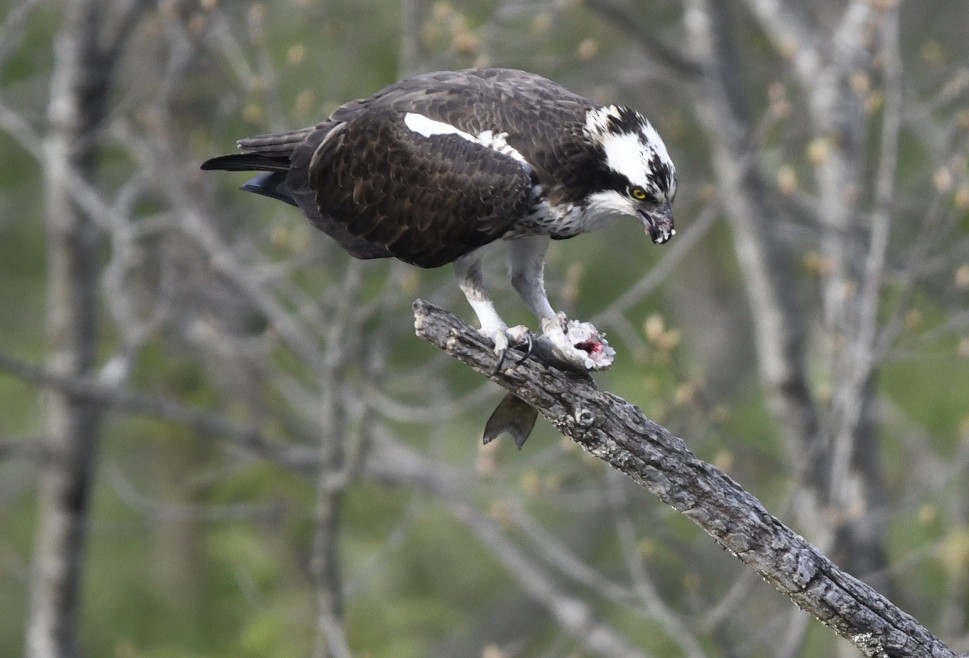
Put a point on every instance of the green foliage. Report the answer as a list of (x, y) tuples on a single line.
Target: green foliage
[(931, 392)]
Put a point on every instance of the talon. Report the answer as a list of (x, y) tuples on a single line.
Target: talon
[(529, 344), (499, 337), (501, 360), (511, 337)]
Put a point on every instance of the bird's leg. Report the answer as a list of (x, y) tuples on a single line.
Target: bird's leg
[(526, 257), (471, 281), (577, 343)]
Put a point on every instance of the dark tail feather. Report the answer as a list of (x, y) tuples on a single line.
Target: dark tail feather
[(277, 143), (248, 162), (271, 184)]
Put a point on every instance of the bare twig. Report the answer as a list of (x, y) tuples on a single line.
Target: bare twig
[(631, 22), (125, 401), (398, 465), (764, 257)]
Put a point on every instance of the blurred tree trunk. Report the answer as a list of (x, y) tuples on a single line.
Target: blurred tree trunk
[(76, 109), (835, 443)]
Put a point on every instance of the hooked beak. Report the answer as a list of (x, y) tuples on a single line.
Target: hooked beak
[(659, 222)]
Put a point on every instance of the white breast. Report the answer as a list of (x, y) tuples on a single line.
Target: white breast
[(566, 220)]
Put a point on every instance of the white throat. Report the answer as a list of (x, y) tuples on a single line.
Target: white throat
[(603, 208)]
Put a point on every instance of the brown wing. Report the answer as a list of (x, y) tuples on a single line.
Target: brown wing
[(381, 190), (424, 200)]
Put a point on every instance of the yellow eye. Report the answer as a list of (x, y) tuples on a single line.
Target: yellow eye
[(638, 193)]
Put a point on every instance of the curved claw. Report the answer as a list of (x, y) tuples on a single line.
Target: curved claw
[(501, 360), (514, 337), (529, 344)]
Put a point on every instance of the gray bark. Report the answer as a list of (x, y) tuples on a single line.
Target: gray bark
[(836, 443), (79, 88), (621, 435)]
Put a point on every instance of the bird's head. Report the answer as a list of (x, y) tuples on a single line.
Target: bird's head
[(642, 176)]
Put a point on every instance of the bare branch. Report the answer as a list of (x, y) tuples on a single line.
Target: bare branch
[(764, 257), (12, 29), (632, 24), (617, 432), (124, 401), (574, 616), (20, 130), (399, 465), (75, 109), (791, 35)]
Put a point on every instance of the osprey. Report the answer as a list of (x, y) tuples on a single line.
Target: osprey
[(437, 166)]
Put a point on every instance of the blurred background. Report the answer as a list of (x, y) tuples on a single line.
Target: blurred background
[(220, 437)]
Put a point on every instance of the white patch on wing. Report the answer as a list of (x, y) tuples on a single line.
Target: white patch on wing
[(429, 127), (496, 141)]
